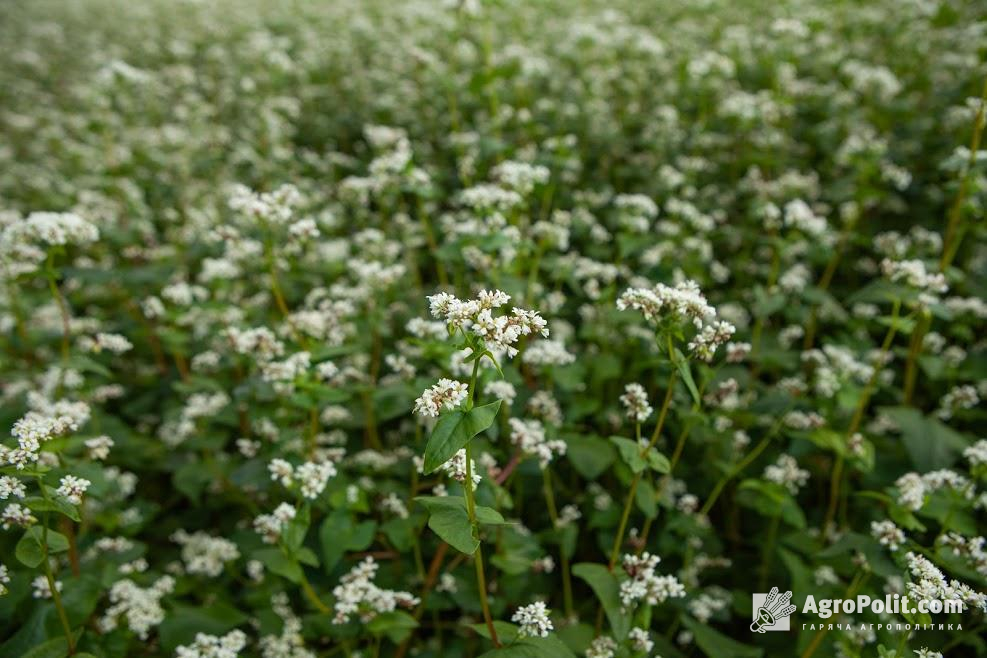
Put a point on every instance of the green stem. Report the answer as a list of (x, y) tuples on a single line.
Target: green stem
[(740, 466), (64, 313), (619, 539), (481, 580), (836, 478), (55, 595), (563, 557), (310, 593), (954, 229)]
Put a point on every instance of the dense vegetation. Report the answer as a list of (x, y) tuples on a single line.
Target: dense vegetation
[(502, 328)]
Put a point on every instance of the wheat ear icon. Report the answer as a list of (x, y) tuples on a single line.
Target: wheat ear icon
[(774, 608)]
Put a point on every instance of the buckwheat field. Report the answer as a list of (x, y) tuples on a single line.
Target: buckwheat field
[(501, 328)]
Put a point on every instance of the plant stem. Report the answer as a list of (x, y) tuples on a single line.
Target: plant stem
[(564, 558), (741, 465), (836, 478), (64, 312), (481, 581), (857, 582), (619, 539), (825, 280), (954, 229), (55, 594), (310, 593)]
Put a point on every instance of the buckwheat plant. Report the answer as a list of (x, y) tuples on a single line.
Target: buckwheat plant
[(276, 285)]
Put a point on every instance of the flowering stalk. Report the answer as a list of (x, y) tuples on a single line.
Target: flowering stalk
[(52, 585), (563, 556), (739, 468), (954, 229), (951, 243), (858, 581), (619, 539), (858, 416), (826, 279), (63, 312), (481, 581)]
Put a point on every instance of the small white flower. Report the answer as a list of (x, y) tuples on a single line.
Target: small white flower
[(446, 394), (533, 619)]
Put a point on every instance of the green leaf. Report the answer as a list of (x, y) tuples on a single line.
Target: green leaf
[(930, 444), (716, 645), (646, 499), (30, 548), (54, 503), (506, 632), (591, 456), (532, 647), (454, 430), (279, 563), (447, 517), (396, 625), (183, 623), (771, 499), (604, 584), (682, 364), (56, 648), (339, 534), (630, 453), (295, 530)]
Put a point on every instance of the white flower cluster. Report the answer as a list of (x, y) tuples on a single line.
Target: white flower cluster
[(787, 473), (602, 647), (977, 453), (644, 584), (929, 584), (683, 303), (533, 620), (73, 488), (212, 646), (958, 397), (456, 468), (290, 644), (640, 640), (42, 588), (141, 607), (282, 374), (276, 208), (11, 487), (270, 526), (311, 476), (548, 353), (635, 400), (24, 242), (446, 394), (357, 594), (99, 447), (888, 534), (799, 215), (520, 176), (832, 366), (529, 436), (103, 342), (259, 342), (204, 554), (4, 579), (44, 422), (971, 549), (913, 488), (914, 274), (476, 315), (16, 515)]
